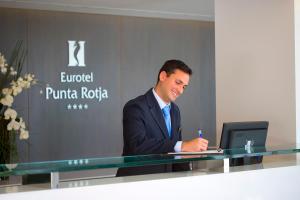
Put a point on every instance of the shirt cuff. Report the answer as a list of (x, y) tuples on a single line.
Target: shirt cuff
[(177, 147)]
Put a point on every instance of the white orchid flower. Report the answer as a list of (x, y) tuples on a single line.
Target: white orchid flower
[(24, 135), (6, 91), (10, 114), (22, 83), (29, 77), (27, 84), (13, 125), (2, 61), (7, 100), (20, 79), (16, 90), (13, 73), (3, 70), (22, 123)]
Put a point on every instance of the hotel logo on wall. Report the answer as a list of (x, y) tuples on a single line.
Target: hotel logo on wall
[(76, 53), (70, 92)]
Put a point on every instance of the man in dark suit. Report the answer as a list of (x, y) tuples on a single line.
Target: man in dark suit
[(151, 122)]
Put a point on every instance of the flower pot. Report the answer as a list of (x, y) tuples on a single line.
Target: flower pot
[(8, 147)]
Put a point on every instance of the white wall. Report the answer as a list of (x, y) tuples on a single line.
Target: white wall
[(255, 74), (297, 64)]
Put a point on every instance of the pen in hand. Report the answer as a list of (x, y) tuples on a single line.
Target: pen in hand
[(200, 133), (202, 142)]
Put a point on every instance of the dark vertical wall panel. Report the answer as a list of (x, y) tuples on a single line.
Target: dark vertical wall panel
[(67, 133), (125, 54), (147, 43)]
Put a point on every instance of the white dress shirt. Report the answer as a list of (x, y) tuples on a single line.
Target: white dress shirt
[(162, 104)]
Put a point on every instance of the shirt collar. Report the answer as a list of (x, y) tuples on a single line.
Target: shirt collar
[(161, 103)]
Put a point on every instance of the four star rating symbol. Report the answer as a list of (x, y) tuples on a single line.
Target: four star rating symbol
[(77, 106)]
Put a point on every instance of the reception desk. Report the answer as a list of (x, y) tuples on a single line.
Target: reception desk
[(279, 170)]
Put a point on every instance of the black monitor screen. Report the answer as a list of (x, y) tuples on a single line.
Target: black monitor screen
[(239, 134)]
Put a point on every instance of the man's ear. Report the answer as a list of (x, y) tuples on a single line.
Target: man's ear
[(162, 76)]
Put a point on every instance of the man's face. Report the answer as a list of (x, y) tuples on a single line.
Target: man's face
[(172, 86)]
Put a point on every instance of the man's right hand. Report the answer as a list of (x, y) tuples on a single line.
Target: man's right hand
[(197, 144)]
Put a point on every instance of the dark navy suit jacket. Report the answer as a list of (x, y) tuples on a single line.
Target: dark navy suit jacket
[(145, 132)]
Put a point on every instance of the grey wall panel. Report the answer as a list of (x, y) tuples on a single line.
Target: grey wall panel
[(13, 27), (147, 43), (124, 54), (75, 133)]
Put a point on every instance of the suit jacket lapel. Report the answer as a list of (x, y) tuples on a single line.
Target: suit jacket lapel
[(173, 121), (157, 113)]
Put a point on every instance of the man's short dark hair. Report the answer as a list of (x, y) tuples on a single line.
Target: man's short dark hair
[(171, 65)]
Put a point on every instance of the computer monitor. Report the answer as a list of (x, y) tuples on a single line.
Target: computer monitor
[(239, 134)]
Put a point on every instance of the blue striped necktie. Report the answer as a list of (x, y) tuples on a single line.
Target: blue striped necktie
[(167, 116)]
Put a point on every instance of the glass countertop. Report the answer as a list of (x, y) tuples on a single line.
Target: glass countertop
[(139, 160)]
